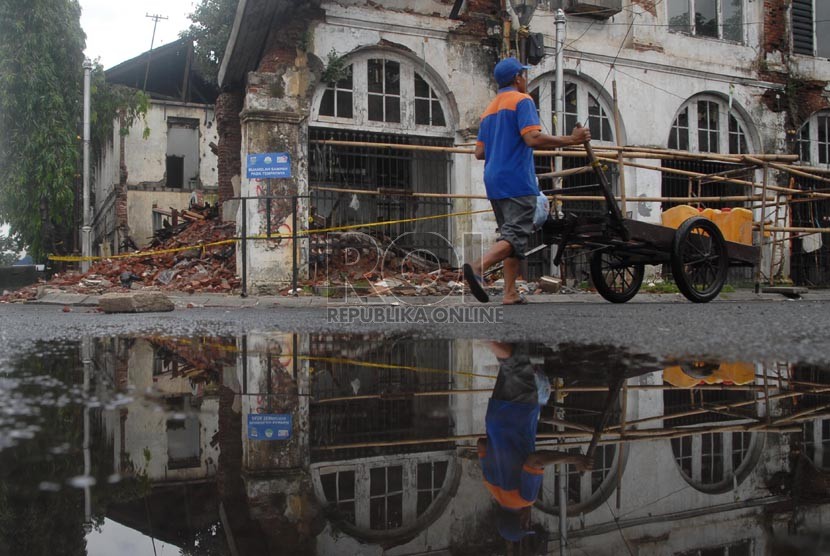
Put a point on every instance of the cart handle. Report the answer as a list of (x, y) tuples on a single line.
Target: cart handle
[(611, 202)]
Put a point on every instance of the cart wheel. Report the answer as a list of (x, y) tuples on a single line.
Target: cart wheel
[(699, 261), (614, 277)]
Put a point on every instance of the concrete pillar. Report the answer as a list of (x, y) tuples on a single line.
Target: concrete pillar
[(270, 261)]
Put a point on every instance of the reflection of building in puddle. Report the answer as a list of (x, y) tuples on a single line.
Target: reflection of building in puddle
[(391, 492), (170, 434), (712, 461), (383, 434)]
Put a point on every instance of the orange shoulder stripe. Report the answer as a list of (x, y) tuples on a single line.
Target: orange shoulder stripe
[(507, 100), (530, 128), (507, 498)]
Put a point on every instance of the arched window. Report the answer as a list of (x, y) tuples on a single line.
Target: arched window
[(707, 123), (809, 255), (814, 139), (384, 96), (583, 103), (383, 89)]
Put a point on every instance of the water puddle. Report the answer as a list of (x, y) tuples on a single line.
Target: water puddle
[(342, 444)]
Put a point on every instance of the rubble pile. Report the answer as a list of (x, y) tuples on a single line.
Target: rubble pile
[(168, 267), (373, 265)]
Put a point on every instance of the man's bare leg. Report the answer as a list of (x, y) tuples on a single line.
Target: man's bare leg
[(497, 253), (501, 251), (511, 271)]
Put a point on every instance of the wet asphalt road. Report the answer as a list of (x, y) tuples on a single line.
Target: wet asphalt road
[(752, 330)]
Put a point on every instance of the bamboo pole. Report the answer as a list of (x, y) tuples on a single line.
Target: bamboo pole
[(565, 173), (731, 198), (764, 184), (798, 172), (633, 436), (808, 413), (555, 193), (623, 418), (735, 405), (620, 161), (678, 172), (608, 150), (796, 229), (671, 153)]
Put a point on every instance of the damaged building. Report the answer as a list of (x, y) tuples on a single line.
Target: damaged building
[(164, 160), (359, 93)]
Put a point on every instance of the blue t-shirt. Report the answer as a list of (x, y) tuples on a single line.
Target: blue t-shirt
[(511, 438), (508, 161)]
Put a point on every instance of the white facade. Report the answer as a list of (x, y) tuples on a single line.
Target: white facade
[(658, 70)]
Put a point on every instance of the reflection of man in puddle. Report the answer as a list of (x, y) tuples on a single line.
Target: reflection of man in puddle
[(511, 465)]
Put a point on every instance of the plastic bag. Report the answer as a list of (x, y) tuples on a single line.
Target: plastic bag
[(542, 211)]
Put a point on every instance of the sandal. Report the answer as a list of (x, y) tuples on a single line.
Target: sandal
[(475, 283)]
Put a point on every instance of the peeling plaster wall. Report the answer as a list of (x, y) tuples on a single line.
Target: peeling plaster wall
[(145, 158)]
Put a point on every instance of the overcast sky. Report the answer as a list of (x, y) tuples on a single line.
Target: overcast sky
[(117, 31)]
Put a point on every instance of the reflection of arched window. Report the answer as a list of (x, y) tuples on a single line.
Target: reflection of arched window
[(382, 89), (714, 462), (387, 497), (585, 490), (711, 461), (707, 123)]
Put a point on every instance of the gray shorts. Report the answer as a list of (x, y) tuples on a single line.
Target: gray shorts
[(514, 216), (516, 381)]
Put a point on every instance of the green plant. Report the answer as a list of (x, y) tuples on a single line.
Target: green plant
[(336, 68), (661, 287)]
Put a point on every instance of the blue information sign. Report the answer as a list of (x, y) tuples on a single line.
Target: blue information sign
[(269, 165), (269, 426)]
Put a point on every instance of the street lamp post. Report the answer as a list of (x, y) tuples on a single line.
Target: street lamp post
[(86, 244)]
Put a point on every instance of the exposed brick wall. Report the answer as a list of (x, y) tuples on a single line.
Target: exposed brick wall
[(228, 106), (121, 215), (648, 5), (476, 15), (801, 98), (775, 26)]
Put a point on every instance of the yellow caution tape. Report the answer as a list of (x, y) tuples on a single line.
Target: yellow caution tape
[(203, 246), (142, 254), (390, 366)]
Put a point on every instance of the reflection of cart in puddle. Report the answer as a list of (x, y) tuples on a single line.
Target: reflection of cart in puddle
[(696, 251)]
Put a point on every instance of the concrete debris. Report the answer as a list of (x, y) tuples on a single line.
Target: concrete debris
[(167, 267), (135, 302), (549, 284)]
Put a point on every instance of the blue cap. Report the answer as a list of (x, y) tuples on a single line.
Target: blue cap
[(506, 70)]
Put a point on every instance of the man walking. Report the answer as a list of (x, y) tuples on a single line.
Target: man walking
[(508, 133)]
